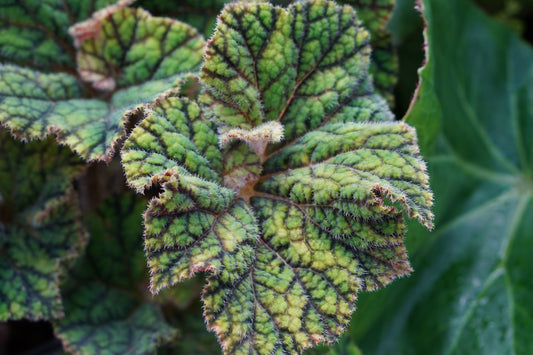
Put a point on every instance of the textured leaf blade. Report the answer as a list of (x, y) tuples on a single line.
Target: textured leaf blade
[(130, 46), (325, 235), (35, 33), (300, 226), (321, 54), (194, 224), (39, 226), (473, 293), (174, 134), (106, 309), (34, 105), (382, 154)]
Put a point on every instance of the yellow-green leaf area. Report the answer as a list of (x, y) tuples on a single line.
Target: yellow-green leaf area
[(196, 225), (301, 66), (145, 48), (174, 134)]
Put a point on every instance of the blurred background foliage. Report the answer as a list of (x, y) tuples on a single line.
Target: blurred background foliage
[(469, 293)]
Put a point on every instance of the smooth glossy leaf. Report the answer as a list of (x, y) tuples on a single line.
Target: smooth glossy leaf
[(39, 226), (106, 306), (472, 292), (35, 33)]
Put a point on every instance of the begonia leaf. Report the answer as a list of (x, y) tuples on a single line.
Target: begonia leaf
[(35, 33), (35, 104), (300, 66), (106, 307), (299, 204), (39, 226), (129, 47)]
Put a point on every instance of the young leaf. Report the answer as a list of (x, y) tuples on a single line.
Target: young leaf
[(39, 226), (473, 294), (106, 309), (301, 66), (34, 104), (300, 226)]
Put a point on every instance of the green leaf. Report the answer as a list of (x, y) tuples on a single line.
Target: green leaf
[(34, 33), (302, 66), (106, 308), (472, 292), (298, 227), (173, 134), (375, 16), (34, 104), (194, 225), (39, 226), (129, 46)]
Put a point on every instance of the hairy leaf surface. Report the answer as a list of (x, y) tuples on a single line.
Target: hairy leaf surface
[(39, 226), (130, 46), (300, 66), (290, 231), (138, 65), (35, 33), (194, 224), (473, 294), (106, 308)]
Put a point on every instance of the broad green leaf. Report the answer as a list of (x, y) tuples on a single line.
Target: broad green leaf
[(35, 33), (106, 307), (298, 227), (325, 235), (300, 66), (349, 161), (34, 104), (39, 226), (129, 46), (472, 292)]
